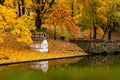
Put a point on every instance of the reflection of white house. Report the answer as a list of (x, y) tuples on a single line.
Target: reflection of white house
[(42, 65)]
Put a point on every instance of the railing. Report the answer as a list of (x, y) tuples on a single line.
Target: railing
[(37, 36)]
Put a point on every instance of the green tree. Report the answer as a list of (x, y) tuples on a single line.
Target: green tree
[(90, 16), (109, 11)]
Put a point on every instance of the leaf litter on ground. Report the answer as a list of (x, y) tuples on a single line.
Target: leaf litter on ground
[(13, 51)]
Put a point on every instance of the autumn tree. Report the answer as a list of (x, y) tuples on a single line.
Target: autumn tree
[(13, 17), (22, 5), (41, 7), (76, 10), (111, 13), (90, 16), (108, 16), (11, 23), (61, 17)]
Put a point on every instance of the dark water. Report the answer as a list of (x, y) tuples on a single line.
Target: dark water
[(79, 68)]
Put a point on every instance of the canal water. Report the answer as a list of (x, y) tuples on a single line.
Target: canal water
[(98, 67)]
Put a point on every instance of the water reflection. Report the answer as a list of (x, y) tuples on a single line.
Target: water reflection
[(61, 63), (42, 65)]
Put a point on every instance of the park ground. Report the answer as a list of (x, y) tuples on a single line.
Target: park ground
[(12, 51)]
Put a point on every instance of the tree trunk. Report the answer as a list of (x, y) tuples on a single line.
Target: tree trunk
[(2, 1), (72, 7), (90, 33), (51, 3), (38, 22), (19, 9), (55, 37), (109, 35), (23, 7), (95, 32), (105, 31)]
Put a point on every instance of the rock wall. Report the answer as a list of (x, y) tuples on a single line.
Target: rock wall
[(99, 46)]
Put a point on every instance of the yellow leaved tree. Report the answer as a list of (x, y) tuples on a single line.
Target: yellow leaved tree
[(11, 23)]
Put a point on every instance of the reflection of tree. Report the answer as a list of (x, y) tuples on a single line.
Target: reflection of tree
[(63, 61), (42, 65)]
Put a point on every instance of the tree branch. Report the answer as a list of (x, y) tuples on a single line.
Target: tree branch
[(51, 3)]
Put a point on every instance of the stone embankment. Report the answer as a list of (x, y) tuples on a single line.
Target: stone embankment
[(99, 46)]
